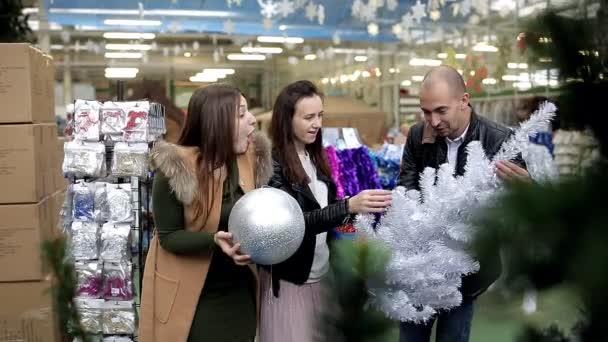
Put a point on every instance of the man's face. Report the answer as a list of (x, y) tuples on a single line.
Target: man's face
[(444, 109)]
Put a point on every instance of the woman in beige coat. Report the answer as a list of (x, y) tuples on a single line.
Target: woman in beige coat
[(197, 286)]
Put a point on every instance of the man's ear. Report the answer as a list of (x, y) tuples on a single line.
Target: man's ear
[(465, 101)]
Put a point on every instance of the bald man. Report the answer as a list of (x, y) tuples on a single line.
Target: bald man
[(450, 123)]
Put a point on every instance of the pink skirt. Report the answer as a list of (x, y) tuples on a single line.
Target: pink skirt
[(292, 316)]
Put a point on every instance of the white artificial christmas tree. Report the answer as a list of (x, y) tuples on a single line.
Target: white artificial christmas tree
[(427, 231)]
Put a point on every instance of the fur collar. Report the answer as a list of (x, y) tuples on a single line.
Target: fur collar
[(177, 163)]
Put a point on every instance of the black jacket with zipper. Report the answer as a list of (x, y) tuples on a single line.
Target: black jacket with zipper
[(423, 149), (296, 269)]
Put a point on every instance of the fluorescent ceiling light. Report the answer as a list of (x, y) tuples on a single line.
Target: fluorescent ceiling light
[(461, 56), (203, 79), (282, 27), (145, 12), (489, 81), (442, 55), (285, 40), (332, 80), (132, 22), (425, 62), (121, 72), (219, 71), (522, 85), (245, 57), (523, 65), (56, 47), (35, 25), (187, 54), (261, 49), (310, 57), (417, 78), (484, 47), (343, 78), (325, 80), (137, 47), (360, 58), (394, 70), (128, 35), (29, 10), (366, 74), (130, 55), (406, 83), (510, 78)]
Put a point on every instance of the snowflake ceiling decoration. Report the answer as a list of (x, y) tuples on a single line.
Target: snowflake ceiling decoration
[(286, 7), (268, 8), (311, 11), (321, 14), (418, 11)]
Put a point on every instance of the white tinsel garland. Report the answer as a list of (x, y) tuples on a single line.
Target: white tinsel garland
[(427, 230)]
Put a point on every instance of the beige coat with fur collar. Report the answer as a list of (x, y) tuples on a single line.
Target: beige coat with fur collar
[(172, 284)]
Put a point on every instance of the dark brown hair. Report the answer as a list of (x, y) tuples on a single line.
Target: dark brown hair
[(283, 137), (210, 126)]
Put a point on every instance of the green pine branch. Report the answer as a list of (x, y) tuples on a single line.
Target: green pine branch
[(64, 287)]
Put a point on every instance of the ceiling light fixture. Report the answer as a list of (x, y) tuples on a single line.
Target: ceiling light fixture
[(360, 58), (245, 57), (123, 47), (310, 57), (484, 47), (284, 40), (121, 72), (425, 62), (129, 55), (128, 35), (261, 49), (132, 22)]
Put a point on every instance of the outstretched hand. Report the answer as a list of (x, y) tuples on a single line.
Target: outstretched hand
[(509, 171), (224, 241)]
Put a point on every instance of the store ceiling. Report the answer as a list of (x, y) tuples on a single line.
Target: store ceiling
[(210, 16)]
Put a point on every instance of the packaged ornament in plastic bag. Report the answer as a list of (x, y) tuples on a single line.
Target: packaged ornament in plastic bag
[(113, 119), (83, 202), (115, 241), (86, 120), (91, 311), (89, 277), (65, 212), (117, 339), (102, 209), (84, 159), (117, 281), (118, 317), (119, 202), (130, 160), (84, 244), (137, 125)]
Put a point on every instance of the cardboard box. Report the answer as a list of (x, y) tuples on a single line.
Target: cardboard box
[(24, 163), (25, 89), (26, 312), (23, 228), (40, 325)]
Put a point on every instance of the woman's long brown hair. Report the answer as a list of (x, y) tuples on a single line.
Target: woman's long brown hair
[(210, 126), (283, 138)]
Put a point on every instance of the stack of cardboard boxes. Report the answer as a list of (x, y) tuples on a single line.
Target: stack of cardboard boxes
[(31, 190)]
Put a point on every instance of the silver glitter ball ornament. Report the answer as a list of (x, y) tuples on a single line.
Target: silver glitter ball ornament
[(269, 225)]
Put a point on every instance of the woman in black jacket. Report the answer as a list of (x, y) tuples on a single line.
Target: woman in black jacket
[(291, 290)]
